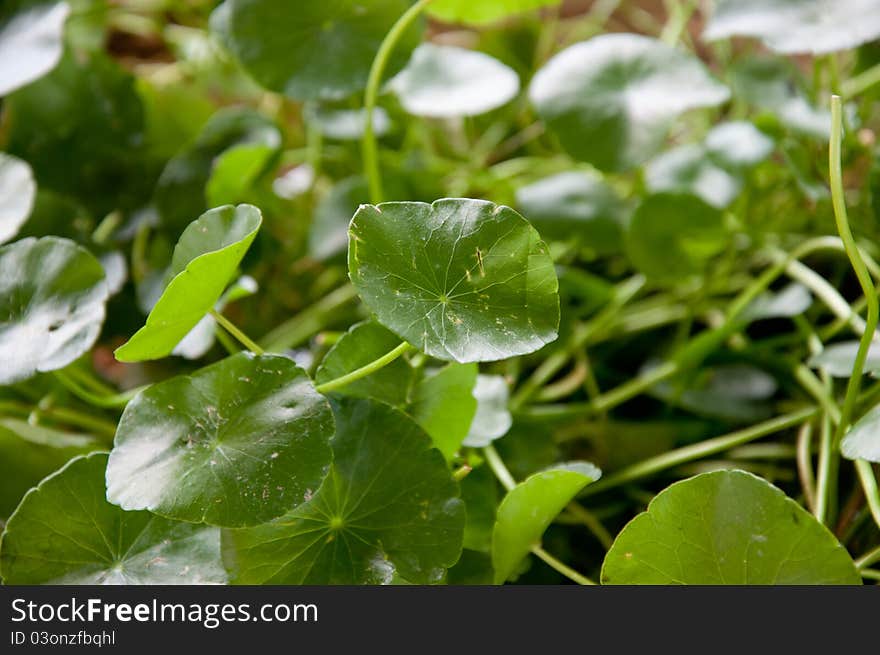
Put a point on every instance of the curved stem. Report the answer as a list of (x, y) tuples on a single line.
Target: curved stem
[(308, 322), (567, 571), (869, 486), (858, 264), (377, 70), (699, 450), (498, 468), (112, 401), (868, 558), (365, 370), (230, 327), (861, 82)]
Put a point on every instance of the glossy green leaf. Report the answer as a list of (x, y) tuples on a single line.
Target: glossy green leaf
[(362, 344), (52, 298), (789, 26), (529, 508), (236, 172), (578, 204), (492, 419), (671, 236), (17, 194), (202, 169), (313, 49), (444, 405), (205, 260), (838, 359), (389, 504), (28, 453), (461, 279), (237, 443), (447, 81), (688, 170), (31, 40), (65, 532), (483, 11), (611, 99), (87, 108), (862, 440), (726, 527)]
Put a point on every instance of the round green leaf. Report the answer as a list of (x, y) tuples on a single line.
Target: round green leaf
[(862, 441), (17, 193), (461, 279), (205, 260), (28, 453), (65, 532), (237, 443), (87, 108), (492, 419), (389, 504), (688, 170), (610, 99), (529, 508), (671, 236), (52, 298), (789, 26), (314, 49), (447, 81), (726, 527), (361, 345), (483, 11), (575, 204), (31, 40), (839, 359)]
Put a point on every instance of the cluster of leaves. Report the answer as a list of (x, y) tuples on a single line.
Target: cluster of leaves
[(495, 248)]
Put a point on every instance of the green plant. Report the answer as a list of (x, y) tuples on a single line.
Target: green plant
[(524, 289)]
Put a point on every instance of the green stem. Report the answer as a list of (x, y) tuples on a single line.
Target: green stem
[(592, 523), (679, 15), (365, 370), (826, 476), (567, 571), (368, 144), (230, 327), (697, 451), (112, 401), (498, 468), (858, 264), (64, 416), (869, 486), (861, 82), (870, 574), (461, 472), (868, 558), (805, 465)]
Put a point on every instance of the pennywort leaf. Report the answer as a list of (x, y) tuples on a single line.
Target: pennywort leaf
[(388, 505), (463, 280), (726, 527), (312, 49), (237, 443), (52, 304), (205, 260), (65, 532), (31, 40), (611, 99), (447, 81), (17, 193)]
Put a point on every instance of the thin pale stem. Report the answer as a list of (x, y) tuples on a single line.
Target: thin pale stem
[(365, 370), (861, 82), (859, 267), (697, 451), (369, 146), (243, 339), (805, 465), (869, 485), (567, 571), (868, 558), (111, 401), (498, 467)]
